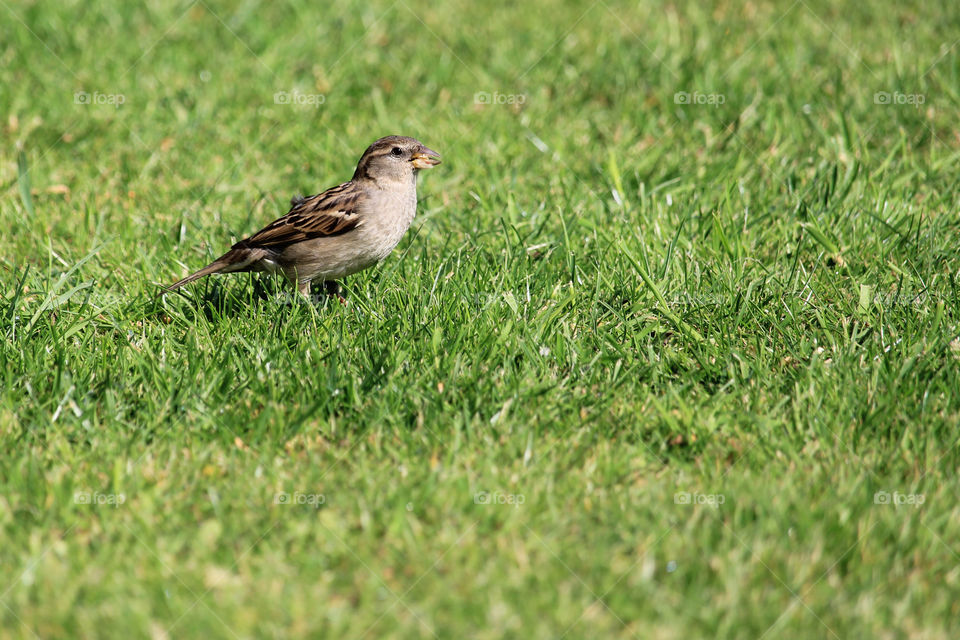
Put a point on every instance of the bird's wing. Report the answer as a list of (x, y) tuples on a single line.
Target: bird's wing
[(331, 213)]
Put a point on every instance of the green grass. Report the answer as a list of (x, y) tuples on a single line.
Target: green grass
[(610, 298)]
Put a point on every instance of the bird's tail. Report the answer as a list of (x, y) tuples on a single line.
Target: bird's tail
[(214, 267), (233, 260)]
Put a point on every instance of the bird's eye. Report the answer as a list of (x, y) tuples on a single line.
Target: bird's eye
[(397, 151)]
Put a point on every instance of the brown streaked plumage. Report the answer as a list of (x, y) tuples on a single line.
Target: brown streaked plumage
[(342, 230)]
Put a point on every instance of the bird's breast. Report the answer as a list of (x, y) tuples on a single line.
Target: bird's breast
[(390, 216)]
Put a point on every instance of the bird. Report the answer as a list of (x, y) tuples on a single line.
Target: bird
[(340, 231)]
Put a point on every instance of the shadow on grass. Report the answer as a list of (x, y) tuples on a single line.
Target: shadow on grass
[(216, 299)]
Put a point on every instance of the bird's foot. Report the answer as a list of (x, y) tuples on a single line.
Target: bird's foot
[(333, 289)]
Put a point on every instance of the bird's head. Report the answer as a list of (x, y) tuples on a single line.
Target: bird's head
[(395, 159)]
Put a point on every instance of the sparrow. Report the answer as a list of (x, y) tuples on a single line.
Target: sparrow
[(341, 231)]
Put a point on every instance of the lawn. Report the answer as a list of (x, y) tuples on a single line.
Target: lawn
[(671, 350)]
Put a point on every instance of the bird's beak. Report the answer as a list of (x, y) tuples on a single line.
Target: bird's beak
[(425, 158)]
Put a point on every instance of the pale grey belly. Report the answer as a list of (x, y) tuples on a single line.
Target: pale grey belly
[(339, 256)]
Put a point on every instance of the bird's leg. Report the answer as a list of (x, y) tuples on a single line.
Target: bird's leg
[(332, 289), (304, 288)]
